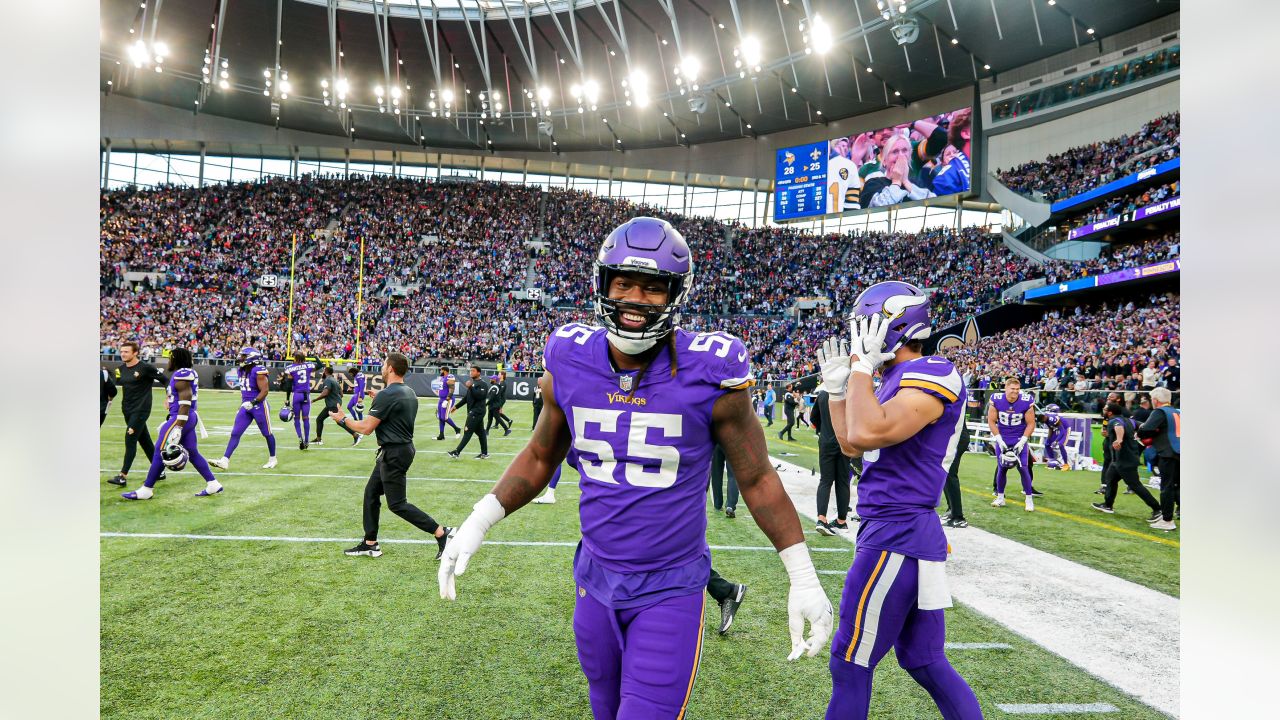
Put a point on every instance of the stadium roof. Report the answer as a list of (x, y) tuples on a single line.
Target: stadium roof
[(585, 65)]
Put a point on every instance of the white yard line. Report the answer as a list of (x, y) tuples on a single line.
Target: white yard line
[(272, 473), (1057, 708), (1121, 632), (979, 646), (290, 539)]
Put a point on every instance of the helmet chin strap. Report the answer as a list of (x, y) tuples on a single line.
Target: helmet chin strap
[(630, 346)]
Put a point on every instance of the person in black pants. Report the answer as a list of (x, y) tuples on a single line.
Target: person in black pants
[(331, 393), (833, 469), (717, 484), (497, 397), (1121, 435), (1164, 427), (789, 407), (137, 378), (107, 392), (474, 399), (728, 596), (954, 516), (391, 418), (537, 402)]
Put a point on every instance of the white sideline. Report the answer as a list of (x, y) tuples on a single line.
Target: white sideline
[(512, 543), (1057, 708), (979, 646), (1118, 631), (269, 474)]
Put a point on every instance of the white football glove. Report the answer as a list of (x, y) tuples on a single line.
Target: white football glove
[(1017, 448), (806, 601), (867, 343), (1000, 444), (246, 405), (466, 541), (833, 359)]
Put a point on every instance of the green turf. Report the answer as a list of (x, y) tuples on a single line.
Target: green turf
[(252, 629)]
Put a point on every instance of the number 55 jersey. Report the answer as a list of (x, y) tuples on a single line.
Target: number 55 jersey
[(644, 454)]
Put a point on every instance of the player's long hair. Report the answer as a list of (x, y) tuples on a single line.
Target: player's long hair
[(179, 358)]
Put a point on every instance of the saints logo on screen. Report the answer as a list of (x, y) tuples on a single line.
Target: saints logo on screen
[(968, 336)]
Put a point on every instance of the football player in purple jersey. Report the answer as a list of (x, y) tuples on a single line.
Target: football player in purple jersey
[(1012, 419), (444, 387), (355, 406), (637, 404), (1055, 443), (906, 433), (254, 408), (176, 447), (301, 372)]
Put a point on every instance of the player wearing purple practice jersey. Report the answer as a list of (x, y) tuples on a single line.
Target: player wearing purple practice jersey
[(1055, 443), (301, 372), (1012, 419), (253, 408), (177, 445), (906, 432), (637, 404), (355, 405), (444, 387)]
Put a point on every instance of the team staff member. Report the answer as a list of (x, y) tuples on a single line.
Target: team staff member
[(497, 397), (954, 517), (833, 469), (137, 378), (331, 393), (1119, 433), (474, 399), (1164, 427), (391, 418), (789, 408), (537, 403), (107, 390)]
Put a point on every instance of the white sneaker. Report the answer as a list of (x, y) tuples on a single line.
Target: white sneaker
[(1030, 504), (1165, 525), (998, 502), (223, 463), (547, 498), (270, 464)]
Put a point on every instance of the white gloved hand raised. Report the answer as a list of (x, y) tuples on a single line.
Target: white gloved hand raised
[(833, 360), (867, 344)]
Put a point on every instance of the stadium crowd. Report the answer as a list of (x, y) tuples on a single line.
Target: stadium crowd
[(441, 261), (1083, 168), (1128, 202)]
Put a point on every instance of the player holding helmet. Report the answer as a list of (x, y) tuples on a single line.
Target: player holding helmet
[(638, 405), (906, 433), (1012, 419), (176, 446), (254, 408)]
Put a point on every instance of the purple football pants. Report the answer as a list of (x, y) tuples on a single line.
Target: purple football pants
[(878, 611), (640, 662), (1055, 447), (301, 415), (188, 441), (1024, 470), (261, 415)]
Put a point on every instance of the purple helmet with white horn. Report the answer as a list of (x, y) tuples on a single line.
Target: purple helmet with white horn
[(648, 246), (904, 305)]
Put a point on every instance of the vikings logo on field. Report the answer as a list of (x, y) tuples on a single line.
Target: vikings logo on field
[(625, 382)]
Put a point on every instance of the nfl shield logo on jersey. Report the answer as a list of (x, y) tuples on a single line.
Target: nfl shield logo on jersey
[(625, 382)]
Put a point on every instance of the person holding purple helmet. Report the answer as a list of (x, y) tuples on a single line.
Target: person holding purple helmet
[(637, 404), (906, 433), (254, 408)]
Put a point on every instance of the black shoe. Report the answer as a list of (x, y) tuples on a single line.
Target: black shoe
[(946, 516), (956, 523), (1155, 515), (728, 512), (317, 441), (839, 528), (364, 548), (1101, 491), (453, 454), (1103, 508), (824, 528), (456, 432), (506, 432), (482, 456), (302, 444), (440, 436), (163, 475), (444, 540), (729, 607), (1035, 492), (119, 479)]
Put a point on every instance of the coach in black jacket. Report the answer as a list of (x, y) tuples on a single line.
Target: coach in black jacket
[(475, 399)]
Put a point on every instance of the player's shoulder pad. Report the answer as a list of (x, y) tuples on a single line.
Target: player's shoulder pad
[(185, 374), (934, 375), (719, 358), (567, 339)]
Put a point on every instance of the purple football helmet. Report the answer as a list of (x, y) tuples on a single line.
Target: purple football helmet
[(1009, 459), (903, 304), (174, 457), (1053, 408), (650, 246), (249, 356), (286, 414)]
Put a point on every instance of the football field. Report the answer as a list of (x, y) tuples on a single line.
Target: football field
[(242, 605)]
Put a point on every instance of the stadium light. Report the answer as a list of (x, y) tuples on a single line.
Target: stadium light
[(688, 70), (591, 89), (447, 96), (750, 53), (544, 95), (820, 37), (639, 87)]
